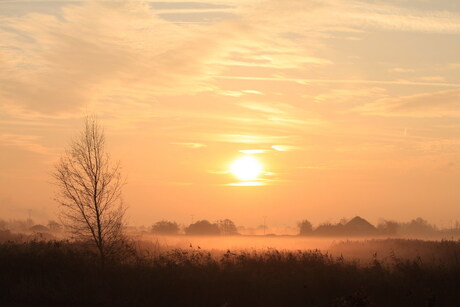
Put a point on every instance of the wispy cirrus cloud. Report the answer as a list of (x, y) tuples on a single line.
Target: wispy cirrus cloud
[(189, 145), (401, 70), (434, 104), (25, 142), (52, 64), (285, 147), (245, 138), (307, 81), (240, 93), (56, 64), (253, 151), (390, 17), (266, 107)]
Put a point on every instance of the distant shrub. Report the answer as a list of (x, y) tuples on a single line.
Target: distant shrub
[(7, 235), (39, 228)]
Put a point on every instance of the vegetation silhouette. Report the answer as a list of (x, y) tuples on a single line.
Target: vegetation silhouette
[(89, 191), (65, 273), (204, 228), (165, 228), (358, 226), (37, 269), (305, 228), (39, 228), (227, 227), (54, 226)]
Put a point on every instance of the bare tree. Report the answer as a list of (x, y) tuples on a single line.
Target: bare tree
[(227, 227), (90, 190)]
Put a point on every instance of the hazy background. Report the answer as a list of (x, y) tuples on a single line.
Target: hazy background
[(354, 106)]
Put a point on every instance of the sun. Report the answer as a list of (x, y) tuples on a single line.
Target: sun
[(246, 168)]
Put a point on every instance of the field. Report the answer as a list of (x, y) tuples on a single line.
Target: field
[(384, 272)]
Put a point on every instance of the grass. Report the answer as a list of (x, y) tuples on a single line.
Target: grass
[(64, 273)]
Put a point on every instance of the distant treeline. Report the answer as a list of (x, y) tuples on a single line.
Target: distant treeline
[(360, 227), (357, 226), (203, 227)]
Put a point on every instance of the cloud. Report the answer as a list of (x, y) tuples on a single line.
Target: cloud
[(353, 94), (435, 104), (254, 92), (392, 18), (284, 147), (432, 78), (454, 65), (401, 70), (313, 167), (96, 53), (62, 63), (329, 15), (51, 64), (240, 93), (253, 151), (280, 60), (112, 56), (307, 81), (25, 142), (57, 64), (189, 145), (244, 138), (266, 107)]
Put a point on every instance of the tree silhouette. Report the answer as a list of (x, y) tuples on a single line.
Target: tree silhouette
[(203, 227), (54, 226), (389, 228), (227, 227), (419, 226), (89, 191), (305, 228), (165, 228)]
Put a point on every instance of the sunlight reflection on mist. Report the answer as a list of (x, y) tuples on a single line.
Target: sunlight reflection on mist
[(241, 242)]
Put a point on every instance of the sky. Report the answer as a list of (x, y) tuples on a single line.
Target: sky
[(351, 107)]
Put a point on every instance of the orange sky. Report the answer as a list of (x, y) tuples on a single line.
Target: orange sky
[(353, 106)]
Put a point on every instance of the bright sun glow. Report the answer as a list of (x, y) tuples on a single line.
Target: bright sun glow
[(246, 168)]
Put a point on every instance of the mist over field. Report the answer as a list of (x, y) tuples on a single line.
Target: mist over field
[(364, 249)]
